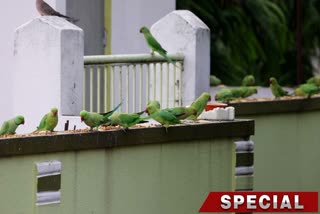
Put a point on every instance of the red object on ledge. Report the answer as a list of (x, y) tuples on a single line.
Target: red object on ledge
[(211, 106)]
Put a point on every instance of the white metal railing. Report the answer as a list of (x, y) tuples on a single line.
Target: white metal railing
[(133, 79)]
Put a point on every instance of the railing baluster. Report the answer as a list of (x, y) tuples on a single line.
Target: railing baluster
[(180, 84), (152, 84), (134, 87), (154, 81), (168, 85), (160, 88), (112, 87), (84, 89), (175, 84), (98, 88), (105, 107), (148, 82), (120, 84), (127, 86), (91, 88), (140, 88)]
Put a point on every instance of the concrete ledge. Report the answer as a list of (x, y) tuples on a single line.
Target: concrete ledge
[(277, 106), (62, 142)]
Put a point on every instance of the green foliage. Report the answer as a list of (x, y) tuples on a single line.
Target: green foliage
[(257, 37)]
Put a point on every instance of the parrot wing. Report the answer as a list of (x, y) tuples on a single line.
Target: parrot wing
[(4, 128), (106, 116), (43, 122), (179, 112), (154, 44)]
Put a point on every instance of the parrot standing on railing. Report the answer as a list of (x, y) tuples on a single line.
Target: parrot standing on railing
[(155, 45)]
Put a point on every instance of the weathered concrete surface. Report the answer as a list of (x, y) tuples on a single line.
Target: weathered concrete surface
[(183, 32), (48, 70)]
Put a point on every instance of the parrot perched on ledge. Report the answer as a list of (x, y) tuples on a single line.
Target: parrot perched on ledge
[(199, 105), (49, 121), (161, 116), (276, 89), (248, 80), (10, 126), (93, 119), (314, 80), (126, 120), (306, 90)]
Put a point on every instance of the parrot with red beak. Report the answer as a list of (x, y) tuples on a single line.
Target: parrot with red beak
[(49, 121)]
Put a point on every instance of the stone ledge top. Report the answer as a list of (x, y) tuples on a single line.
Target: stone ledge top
[(64, 142), (276, 106)]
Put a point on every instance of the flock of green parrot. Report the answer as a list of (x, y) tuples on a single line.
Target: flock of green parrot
[(166, 117), (247, 89), (307, 89), (47, 123), (50, 120), (228, 94)]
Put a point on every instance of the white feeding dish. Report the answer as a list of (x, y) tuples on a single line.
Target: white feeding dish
[(218, 114)]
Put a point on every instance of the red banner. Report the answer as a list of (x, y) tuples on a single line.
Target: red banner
[(261, 202)]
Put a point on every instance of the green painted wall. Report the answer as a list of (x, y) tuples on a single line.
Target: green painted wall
[(157, 179), (287, 151)]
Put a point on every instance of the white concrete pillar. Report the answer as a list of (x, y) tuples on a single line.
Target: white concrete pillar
[(48, 72), (182, 32)]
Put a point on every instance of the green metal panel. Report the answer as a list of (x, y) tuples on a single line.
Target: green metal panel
[(169, 178), (244, 182), (159, 178), (287, 151)]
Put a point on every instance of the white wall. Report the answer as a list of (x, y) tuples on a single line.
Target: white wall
[(129, 16), (13, 13)]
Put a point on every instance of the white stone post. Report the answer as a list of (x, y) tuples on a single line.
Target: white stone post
[(182, 32), (48, 72)]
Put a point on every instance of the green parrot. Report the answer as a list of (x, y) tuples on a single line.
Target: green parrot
[(314, 80), (10, 126), (165, 118), (248, 91), (243, 92), (248, 80), (153, 106), (179, 112), (199, 104), (214, 81), (162, 116), (93, 119), (276, 89), (154, 44), (225, 95), (126, 120), (182, 112), (307, 89), (49, 121)]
